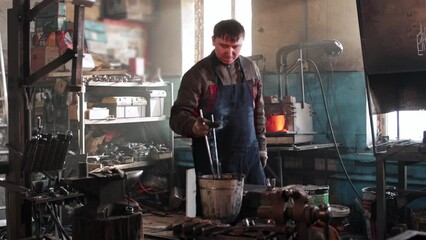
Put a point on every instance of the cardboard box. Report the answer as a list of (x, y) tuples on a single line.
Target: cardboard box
[(50, 24), (97, 47), (95, 30), (131, 111), (90, 13), (61, 39), (40, 56), (97, 113), (126, 40), (130, 9), (155, 102), (125, 107), (54, 9), (96, 26)]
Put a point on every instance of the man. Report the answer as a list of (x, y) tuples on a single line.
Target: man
[(228, 87)]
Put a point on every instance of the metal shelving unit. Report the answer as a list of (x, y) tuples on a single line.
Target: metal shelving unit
[(127, 87)]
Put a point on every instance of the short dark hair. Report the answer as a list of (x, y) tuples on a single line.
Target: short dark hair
[(229, 29)]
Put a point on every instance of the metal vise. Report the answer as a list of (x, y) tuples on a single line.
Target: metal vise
[(287, 209)]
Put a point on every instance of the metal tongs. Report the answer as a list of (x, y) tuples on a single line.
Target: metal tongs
[(216, 172)]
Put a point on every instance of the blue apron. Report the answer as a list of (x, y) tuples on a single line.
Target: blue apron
[(237, 144)]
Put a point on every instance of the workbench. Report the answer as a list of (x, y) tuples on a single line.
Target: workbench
[(282, 150), (159, 227), (405, 154)]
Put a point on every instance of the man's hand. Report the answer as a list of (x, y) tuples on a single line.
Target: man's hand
[(200, 127), (263, 158)]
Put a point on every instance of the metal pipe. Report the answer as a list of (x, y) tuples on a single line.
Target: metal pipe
[(280, 91), (331, 47), (398, 137), (82, 126), (208, 149), (302, 78), (216, 152)]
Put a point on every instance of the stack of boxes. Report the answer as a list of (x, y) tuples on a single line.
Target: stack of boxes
[(116, 39), (52, 37), (155, 102), (96, 36), (150, 104), (49, 38), (124, 106), (139, 10), (126, 40)]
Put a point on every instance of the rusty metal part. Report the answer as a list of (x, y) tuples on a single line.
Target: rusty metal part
[(281, 212)]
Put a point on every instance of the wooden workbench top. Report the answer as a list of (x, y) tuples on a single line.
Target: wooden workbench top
[(159, 227)]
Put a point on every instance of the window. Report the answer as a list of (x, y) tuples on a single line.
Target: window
[(216, 10), (199, 18), (411, 125)]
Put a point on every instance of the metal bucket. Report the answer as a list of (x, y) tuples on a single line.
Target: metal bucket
[(340, 218), (317, 195), (369, 202), (221, 199)]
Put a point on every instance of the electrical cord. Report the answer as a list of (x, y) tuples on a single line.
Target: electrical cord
[(340, 122), (331, 128), (320, 123)]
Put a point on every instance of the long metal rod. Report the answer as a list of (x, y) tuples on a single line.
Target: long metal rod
[(302, 78), (4, 86), (398, 137), (280, 90), (208, 150), (82, 124), (57, 221), (218, 165)]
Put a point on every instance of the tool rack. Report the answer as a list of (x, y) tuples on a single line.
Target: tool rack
[(20, 81), (44, 153)]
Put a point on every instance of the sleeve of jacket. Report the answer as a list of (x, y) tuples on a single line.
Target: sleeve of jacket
[(184, 110), (252, 73), (259, 111)]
